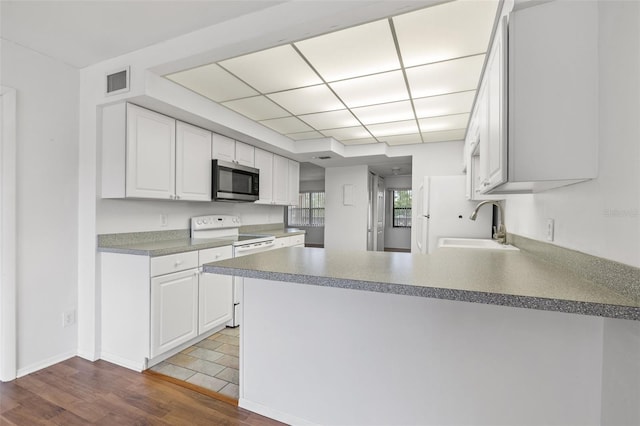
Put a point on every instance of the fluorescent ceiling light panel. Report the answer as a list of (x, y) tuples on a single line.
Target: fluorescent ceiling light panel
[(402, 139), (307, 100), (446, 31), (397, 128), (447, 122), (457, 75), (372, 89), (306, 135), (454, 103), (287, 125), (384, 113), (362, 50), (444, 135), (358, 141), (330, 120), (213, 82), (272, 70), (257, 108), (357, 132)]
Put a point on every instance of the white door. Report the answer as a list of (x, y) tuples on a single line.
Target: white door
[(174, 310), (264, 163), (193, 163), (280, 180), (294, 183), (151, 146), (216, 292), (223, 148), (245, 154)]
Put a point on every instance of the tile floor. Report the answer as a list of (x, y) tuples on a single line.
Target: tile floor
[(212, 363)]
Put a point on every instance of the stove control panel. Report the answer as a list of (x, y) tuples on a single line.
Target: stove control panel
[(215, 222)]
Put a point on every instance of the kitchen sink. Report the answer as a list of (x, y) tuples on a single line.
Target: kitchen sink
[(474, 243)]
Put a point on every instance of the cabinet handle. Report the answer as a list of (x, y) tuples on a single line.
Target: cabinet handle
[(178, 262), (485, 183)]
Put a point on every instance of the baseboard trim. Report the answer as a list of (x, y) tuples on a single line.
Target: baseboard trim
[(122, 362), (273, 414), (44, 364)]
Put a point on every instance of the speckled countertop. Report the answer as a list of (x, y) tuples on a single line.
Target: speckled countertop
[(170, 242), (516, 279)]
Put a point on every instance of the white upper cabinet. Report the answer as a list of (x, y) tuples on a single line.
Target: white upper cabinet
[(193, 164), (540, 130), (150, 154), (280, 180), (264, 163), (227, 149), (294, 182)]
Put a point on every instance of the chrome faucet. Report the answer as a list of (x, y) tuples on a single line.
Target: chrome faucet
[(500, 234)]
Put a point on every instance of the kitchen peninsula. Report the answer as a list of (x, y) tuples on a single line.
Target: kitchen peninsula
[(333, 337)]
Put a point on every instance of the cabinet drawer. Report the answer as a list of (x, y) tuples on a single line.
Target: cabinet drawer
[(282, 242), (296, 240), (215, 254), (173, 263)]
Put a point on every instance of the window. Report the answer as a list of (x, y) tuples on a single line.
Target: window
[(401, 208), (309, 211)]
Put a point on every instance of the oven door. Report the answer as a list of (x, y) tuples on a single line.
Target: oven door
[(233, 182)]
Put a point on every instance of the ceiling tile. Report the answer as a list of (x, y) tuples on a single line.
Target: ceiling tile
[(213, 82), (345, 133), (358, 141), (457, 75), (444, 135), (397, 128), (257, 108), (272, 70), (383, 113), (287, 125), (307, 100), (373, 89), (305, 135), (445, 31), (447, 122), (330, 120), (454, 103), (402, 139), (362, 50)]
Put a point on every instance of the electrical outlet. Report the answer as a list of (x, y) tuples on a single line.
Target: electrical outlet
[(550, 226), (69, 318), (164, 219)]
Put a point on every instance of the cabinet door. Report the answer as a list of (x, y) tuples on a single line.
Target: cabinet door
[(193, 163), (216, 292), (223, 148), (280, 180), (496, 171), (264, 163), (294, 182), (151, 145), (174, 310), (245, 154)]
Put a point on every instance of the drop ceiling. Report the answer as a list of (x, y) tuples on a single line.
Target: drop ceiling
[(407, 79)]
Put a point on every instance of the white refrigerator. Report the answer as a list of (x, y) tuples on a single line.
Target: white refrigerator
[(443, 211)]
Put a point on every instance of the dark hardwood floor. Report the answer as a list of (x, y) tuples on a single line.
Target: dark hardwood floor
[(79, 392)]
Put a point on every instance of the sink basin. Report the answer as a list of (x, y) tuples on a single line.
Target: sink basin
[(474, 243)]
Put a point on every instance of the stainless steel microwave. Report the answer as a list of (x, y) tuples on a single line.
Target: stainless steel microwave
[(234, 182)]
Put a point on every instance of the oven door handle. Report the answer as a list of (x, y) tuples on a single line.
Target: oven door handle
[(252, 247)]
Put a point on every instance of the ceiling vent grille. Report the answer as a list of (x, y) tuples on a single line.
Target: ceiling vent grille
[(117, 81)]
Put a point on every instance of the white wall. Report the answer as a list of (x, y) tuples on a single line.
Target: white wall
[(395, 237), (433, 159), (346, 225), (600, 217), (47, 203)]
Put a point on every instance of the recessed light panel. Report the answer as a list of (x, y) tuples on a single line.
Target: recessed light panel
[(213, 82), (362, 50), (454, 103), (384, 113), (372, 89), (257, 108), (397, 128), (446, 31), (287, 125), (330, 120), (444, 135), (447, 122), (457, 75), (357, 132), (272, 70), (307, 100)]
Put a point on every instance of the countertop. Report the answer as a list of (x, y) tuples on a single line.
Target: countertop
[(515, 279), (150, 244)]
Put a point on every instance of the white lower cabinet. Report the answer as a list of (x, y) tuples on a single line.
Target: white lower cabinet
[(216, 292), (174, 310)]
